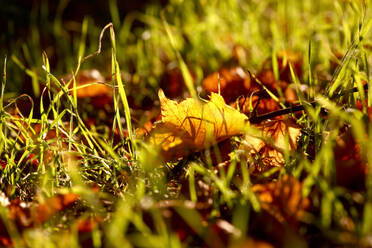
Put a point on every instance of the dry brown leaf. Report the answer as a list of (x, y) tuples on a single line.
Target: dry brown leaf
[(233, 82), (284, 59), (283, 199), (193, 125), (27, 215), (172, 82), (53, 205), (265, 105), (282, 133), (144, 130), (359, 106), (351, 166), (351, 163), (3, 163), (267, 78), (250, 243)]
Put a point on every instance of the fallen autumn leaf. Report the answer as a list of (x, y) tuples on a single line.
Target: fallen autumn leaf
[(193, 125)]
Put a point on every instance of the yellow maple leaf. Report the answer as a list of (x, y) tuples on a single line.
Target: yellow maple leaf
[(194, 124)]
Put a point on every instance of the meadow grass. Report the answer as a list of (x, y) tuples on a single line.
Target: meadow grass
[(198, 37)]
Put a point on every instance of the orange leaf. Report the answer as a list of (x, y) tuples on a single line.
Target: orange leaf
[(89, 84), (234, 82), (283, 199), (284, 58), (267, 78), (289, 57), (93, 90), (87, 224), (53, 205), (265, 105), (351, 166), (6, 242), (3, 163), (271, 155), (193, 125)]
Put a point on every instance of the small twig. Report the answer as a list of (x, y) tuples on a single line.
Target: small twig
[(257, 119), (110, 25)]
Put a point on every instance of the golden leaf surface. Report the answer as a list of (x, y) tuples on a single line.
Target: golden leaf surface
[(194, 124)]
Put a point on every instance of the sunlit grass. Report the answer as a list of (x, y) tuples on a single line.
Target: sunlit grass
[(198, 37)]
